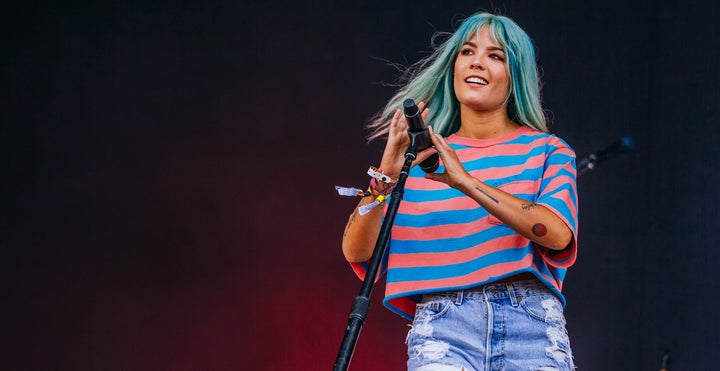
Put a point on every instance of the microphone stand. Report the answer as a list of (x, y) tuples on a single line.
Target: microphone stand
[(361, 303), (665, 361), (619, 147), (587, 164)]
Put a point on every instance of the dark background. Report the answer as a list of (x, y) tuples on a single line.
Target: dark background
[(168, 172)]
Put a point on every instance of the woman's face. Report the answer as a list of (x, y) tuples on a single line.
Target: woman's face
[(481, 79)]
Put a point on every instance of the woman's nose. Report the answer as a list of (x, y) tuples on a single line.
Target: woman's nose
[(477, 64)]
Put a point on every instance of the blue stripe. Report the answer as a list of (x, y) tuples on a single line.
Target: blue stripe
[(500, 161), (523, 139), (527, 139), (416, 195), (456, 270), (566, 187), (561, 173), (542, 266), (559, 159), (440, 218), (530, 174)]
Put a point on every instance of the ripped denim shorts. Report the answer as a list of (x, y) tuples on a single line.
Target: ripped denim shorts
[(500, 326)]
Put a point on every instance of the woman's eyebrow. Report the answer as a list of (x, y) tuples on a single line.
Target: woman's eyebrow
[(492, 47)]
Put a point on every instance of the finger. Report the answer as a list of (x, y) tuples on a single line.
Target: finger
[(437, 177), (397, 114), (437, 140), (398, 123), (424, 154), (397, 126), (395, 118), (424, 111), (402, 122)]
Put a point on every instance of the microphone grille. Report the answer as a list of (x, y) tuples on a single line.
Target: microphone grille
[(628, 143), (410, 108)]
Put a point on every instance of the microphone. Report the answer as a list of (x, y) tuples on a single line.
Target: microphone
[(419, 135), (666, 361), (618, 147)]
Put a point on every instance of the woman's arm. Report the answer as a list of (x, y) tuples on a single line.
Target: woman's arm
[(361, 231), (536, 222)]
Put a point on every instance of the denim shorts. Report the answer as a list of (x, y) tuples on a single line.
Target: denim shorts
[(500, 326)]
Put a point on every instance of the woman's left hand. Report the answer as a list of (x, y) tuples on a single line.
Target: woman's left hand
[(455, 174)]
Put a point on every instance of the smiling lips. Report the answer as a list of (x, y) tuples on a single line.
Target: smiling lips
[(476, 80)]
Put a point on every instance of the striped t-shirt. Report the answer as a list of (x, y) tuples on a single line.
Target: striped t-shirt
[(444, 240)]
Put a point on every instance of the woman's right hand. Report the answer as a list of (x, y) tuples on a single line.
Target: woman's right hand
[(397, 143), (361, 232)]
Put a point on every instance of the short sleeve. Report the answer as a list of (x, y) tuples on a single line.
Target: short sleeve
[(558, 192)]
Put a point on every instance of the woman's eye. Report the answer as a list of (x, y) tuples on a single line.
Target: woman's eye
[(466, 52), (497, 57)]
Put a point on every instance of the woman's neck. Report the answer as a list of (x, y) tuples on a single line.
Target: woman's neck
[(485, 125)]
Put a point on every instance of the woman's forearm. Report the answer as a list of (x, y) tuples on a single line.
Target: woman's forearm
[(361, 232), (536, 222)]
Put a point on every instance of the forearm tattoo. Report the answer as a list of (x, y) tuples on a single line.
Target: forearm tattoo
[(539, 229), (350, 222), (528, 206), (488, 196)]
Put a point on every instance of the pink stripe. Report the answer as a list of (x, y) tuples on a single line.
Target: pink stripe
[(554, 170), (361, 272), (564, 196), (424, 207), (436, 259), (462, 202), (519, 186), (561, 148), (499, 150), (422, 184), (498, 172), (404, 304), (519, 149), (556, 183), (507, 171), (438, 231), (481, 275)]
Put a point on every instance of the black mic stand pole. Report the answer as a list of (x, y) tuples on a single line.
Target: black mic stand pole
[(361, 303), (587, 164)]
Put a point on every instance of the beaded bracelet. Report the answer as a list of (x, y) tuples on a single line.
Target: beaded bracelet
[(375, 188)]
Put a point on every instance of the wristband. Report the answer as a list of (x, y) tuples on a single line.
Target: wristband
[(378, 174)]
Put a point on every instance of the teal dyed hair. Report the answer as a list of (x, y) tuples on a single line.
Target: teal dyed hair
[(430, 80)]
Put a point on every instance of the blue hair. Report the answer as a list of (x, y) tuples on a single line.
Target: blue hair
[(430, 80)]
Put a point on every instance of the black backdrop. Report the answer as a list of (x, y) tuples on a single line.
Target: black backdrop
[(168, 174)]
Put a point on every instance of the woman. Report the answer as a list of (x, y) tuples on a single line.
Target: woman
[(480, 248)]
